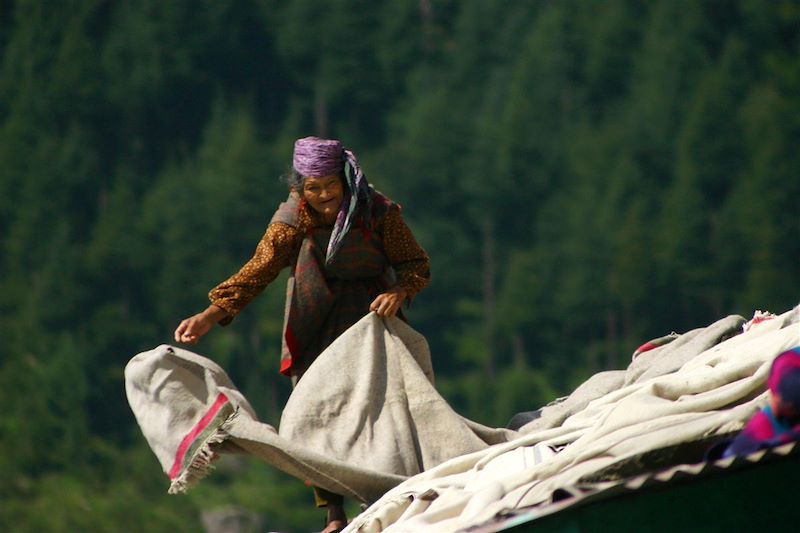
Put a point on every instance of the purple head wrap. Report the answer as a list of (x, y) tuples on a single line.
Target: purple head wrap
[(315, 157)]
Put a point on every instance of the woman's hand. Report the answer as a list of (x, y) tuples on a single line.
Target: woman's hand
[(388, 303), (191, 329)]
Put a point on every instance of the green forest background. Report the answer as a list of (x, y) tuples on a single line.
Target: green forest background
[(585, 175)]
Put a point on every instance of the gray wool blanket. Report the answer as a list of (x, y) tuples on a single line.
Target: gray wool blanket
[(364, 417), (380, 432)]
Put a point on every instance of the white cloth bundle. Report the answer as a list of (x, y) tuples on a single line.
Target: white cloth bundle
[(366, 422)]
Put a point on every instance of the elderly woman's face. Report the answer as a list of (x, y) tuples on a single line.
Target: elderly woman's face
[(325, 195)]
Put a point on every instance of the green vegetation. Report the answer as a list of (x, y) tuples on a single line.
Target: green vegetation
[(584, 175)]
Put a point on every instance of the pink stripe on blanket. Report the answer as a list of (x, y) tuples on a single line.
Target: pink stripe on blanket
[(192, 435)]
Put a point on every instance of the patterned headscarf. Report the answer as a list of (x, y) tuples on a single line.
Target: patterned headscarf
[(316, 157)]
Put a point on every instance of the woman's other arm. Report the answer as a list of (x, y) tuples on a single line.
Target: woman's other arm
[(409, 260)]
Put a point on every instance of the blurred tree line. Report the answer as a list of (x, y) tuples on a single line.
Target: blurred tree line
[(584, 175)]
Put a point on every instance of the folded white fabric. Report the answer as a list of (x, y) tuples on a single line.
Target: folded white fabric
[(699, 393), (366, 422)]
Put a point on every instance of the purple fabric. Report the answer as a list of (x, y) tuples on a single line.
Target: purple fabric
[(315, 157), (763, 431)]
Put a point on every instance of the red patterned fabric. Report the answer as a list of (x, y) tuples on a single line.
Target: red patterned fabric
[(322, 301)]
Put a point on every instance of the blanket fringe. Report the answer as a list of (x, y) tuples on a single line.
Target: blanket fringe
[(204, 457)]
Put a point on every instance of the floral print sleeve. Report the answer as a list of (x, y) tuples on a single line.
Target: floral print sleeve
[(409, 260), (275, 251)]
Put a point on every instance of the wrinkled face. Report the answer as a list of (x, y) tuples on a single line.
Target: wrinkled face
[(324, 195)]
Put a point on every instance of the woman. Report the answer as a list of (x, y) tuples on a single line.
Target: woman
[(349, 252)]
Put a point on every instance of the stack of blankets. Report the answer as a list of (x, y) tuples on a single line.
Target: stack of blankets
[(367, 422)]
